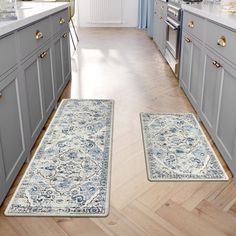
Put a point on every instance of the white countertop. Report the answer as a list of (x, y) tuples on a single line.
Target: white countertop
[(28, 12), (213, 12)]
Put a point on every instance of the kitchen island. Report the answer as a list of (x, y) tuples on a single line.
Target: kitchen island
[(34, 70), (208, 72)]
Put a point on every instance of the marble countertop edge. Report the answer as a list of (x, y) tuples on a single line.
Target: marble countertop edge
[(213, 12)]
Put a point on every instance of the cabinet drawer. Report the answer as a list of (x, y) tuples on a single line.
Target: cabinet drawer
[(222, 40), (8, 53), (162, 8), (59, 21), (34, 36), (193, 25)]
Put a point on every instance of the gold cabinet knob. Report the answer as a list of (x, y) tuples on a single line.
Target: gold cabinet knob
[(216, 64), (161, 18), (62, 21), (65, 35), (191, 24), (38, 35), (42, 55), (187, 40), (221, 41)]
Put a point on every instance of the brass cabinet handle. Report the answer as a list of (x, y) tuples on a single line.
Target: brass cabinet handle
[(62, 21), (187, 40), (216, 64), (42, 55), (191, 24), (65, 35), (161, 18), (221, 41), (38, 35)]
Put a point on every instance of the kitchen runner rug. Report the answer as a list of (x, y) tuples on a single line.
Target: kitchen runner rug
[(69, 174), (176, 149)]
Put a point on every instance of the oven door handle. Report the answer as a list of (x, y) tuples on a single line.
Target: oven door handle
[(171, 26)]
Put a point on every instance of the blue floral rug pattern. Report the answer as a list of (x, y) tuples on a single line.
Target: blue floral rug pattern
[(69, 174), (176, 149)]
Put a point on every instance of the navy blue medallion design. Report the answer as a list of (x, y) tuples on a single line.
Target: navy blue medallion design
[(176, 149), (69, 174)]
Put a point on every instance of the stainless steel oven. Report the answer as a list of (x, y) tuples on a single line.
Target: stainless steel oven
[(173, 37)]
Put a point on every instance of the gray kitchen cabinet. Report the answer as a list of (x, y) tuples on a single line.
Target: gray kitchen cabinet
[(194, 25), (66, 56), (9, 60), (155, 22), (192, 69), (186, 57), (59, 21), (208, 77), (155, 27), (58, 71), (34, 36), (162, 35), (13, 148), (159, 28), (33, 85), (196, 74), (211, 90), (226, 116), (39, 83), (61, 61), (31, 81), (46, 74), (216, 112)]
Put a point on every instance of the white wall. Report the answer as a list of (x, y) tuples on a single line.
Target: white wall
[(130, 14)]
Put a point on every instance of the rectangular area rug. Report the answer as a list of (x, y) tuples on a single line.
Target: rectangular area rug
[(176, 149), (69, 174)]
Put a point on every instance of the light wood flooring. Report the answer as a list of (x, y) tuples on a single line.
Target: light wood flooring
[(124, 65)]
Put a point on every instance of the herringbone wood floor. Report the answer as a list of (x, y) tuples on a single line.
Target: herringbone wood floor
[(124, 65)]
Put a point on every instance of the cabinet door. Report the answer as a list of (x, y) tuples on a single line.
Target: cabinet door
[(46, 75), (163, 28), (159, 31), (186, 58), (162, 36), (33, 86), (65, 46), (196, 74), (211, 88), (58, 73), (12, 142), (155, 27), (226, 122)]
